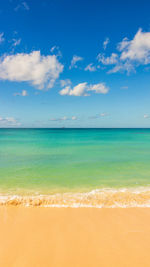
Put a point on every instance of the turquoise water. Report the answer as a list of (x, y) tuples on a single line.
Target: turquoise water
[(73, 160)]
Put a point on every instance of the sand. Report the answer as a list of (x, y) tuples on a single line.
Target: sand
[(74, 237)]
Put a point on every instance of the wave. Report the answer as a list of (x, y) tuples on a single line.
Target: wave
[(99, 198)]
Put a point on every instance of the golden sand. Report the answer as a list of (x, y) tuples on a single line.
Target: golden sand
[(67, 237)]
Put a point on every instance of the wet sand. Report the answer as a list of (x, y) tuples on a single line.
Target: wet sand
[(74, 237)]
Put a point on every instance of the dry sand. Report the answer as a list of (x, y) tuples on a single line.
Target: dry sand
[(74, 237)]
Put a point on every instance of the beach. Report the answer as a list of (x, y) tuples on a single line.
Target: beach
[(74, 133), (74, 237), (74, 197)]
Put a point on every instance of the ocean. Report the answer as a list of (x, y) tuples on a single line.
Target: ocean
[(75, 167)]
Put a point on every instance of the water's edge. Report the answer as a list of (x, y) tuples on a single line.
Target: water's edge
[(99, 198)]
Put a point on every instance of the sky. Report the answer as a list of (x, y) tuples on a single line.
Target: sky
[(74, 63)]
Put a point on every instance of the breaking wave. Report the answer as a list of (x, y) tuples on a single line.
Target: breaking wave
[(99, 198)]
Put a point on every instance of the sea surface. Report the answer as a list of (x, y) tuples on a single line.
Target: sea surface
[(93, 167)]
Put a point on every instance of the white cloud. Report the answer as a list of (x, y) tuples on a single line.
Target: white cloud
[(22, 5), (2, 37), (59, 119), (99, 88), (16, 42), (55, 50), (122, 67), (105, 43), (113, 59), (146, 116), (65, 82), (65, 118), (83, 89), (23, 93), (40, 71), (78, 90), (90, 67), (9, 122), (65, 91), (101, 115), (25, 5), (137, 49), (104, 114), (131, 53), (74, 61), (123, 44), (74, 118)]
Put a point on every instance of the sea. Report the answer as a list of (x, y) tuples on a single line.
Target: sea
[(75, 167)]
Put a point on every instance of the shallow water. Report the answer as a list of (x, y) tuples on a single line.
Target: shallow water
[(50, 161)]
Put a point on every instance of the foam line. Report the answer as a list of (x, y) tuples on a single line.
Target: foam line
[(99, 198)]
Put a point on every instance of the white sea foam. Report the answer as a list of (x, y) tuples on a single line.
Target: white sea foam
[(98, 198)]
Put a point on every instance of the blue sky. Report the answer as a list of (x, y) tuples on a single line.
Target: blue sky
[(74, 63)]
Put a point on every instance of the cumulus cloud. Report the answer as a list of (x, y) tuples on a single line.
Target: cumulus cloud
[(90, 67), (9, 122), (78, 90), (137, 49), (105, 43), (40, 71), (84, 89), (99, 88), (131, 53), (65, 91), (74, 61), (2, 37), (23, 93)]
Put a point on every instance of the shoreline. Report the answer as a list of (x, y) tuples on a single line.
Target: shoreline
[(99, 198), (69, 237)]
